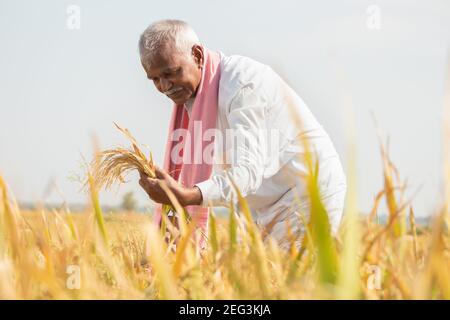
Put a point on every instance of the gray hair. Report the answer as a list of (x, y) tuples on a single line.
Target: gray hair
[(173, 32)]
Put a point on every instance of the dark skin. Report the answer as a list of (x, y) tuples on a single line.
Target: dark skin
[(185, 196), (178, 76)]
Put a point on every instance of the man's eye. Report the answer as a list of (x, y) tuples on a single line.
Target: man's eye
[(172, 73)]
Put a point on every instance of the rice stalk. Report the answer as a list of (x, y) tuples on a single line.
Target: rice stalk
[(213, 234), (412, 223), (165, 279), (349, 277), (10, 220), (319, 221), (256, 247), (97, 208)]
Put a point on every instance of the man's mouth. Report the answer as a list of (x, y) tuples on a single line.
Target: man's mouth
[(173, 92)]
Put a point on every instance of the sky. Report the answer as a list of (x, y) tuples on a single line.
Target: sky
[(61, 83)]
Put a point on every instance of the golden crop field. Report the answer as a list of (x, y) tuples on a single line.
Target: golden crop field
[(90, 255)]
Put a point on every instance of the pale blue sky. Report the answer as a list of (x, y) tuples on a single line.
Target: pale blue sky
[(58, 86)]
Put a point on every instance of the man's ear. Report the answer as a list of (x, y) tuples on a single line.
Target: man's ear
[(197, 52)]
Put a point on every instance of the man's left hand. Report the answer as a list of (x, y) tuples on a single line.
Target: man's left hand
[(185, 196)]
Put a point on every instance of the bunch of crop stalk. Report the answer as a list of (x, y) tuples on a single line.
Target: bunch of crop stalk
[(62, 255), (111, 165)]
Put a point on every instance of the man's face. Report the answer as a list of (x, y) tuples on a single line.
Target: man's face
[(175, 74)]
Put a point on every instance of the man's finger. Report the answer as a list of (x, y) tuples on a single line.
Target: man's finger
[(142, 183), (152, 182), (142, 174), (159, 172)]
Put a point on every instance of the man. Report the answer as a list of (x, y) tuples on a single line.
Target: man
[(222, 94)]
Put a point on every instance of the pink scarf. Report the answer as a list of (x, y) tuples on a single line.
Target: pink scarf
[(205, 110)]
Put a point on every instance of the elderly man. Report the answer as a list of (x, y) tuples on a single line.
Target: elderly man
[(215, 94)]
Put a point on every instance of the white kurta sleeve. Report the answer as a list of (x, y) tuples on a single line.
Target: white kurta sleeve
[(247, 121)]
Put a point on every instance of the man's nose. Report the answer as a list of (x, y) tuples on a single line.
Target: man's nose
[(165, 85)]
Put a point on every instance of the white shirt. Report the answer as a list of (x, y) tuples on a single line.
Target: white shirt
[(252, 97)]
